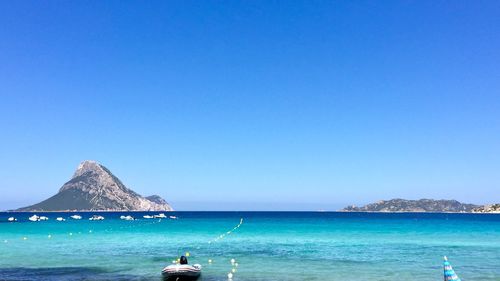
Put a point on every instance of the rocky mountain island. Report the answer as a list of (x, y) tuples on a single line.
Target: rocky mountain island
[(493, 208), (94, 188), (422, 205)]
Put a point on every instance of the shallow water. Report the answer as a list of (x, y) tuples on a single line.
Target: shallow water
[(268, 246)]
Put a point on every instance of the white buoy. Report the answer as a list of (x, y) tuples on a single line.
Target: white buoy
[(49, 236), (209, 261), (71, 233), (25, 238), (233, 261), (230, 275), (236, 264), (233, 270)]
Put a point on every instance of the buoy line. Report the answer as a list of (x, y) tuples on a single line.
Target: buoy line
[(223, 235), (234, 264)]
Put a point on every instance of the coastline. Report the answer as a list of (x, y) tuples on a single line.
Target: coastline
[(243, 211)]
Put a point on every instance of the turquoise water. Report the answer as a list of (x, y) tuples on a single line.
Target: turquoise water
[(268, 246)]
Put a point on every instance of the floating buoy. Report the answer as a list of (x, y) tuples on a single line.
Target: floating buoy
[(71, 233), (230, 275), (209, 261), (25, 238), (232, 261), (233, 270), (226, 233), (236, 264), (49, 236), (187, 254)]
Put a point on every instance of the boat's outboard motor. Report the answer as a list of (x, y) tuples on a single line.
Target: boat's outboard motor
[(183, 260)]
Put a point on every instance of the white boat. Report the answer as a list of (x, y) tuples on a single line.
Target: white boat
[(60, 219), (11, 219), (76, 217), (181, 272), (34, 218), (148, 217), (96, 218), (160, 216), (127, 218), (43, 218), (173, 217)]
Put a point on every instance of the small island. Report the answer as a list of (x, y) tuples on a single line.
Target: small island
[(94, 188), (493, 208), (423, 205)]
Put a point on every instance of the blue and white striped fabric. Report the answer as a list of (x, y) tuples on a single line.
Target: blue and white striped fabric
[(449, 273)]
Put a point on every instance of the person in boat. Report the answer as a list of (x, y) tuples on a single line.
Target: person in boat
[(183, 260)]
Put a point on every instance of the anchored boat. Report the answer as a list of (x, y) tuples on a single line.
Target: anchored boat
[(96, 218), (127, 218), (160, 216), (34, 218), (181, 272)]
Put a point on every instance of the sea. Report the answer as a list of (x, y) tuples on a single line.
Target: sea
[(288, 246)]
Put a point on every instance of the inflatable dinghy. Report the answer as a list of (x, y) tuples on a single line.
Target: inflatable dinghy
[(181, 272)]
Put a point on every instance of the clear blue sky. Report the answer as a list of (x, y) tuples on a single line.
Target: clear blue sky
[(253, 104)]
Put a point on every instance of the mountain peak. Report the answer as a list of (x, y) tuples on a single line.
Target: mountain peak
[(90, 166), (94, 187)]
